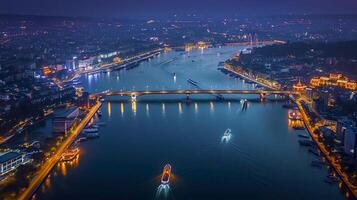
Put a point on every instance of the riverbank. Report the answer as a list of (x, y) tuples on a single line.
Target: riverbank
[(352, 189), (50, 163)]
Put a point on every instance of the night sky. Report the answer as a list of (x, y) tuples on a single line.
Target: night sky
[(152, 8)]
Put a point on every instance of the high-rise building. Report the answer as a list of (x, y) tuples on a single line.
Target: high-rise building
[(350, 141)]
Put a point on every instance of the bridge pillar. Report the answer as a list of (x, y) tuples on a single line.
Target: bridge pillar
[(262, 97), (133, 97), (187, 98)]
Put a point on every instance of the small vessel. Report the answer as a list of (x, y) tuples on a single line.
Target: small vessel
[(92, 135), (166, 173), (90, 130), (70, 154), (296, 127), (99, 113), (101, 124), (94, 126), (333, 178), (81, 139), (304, 136), (315, 152), (227, 135), (192, 82), (306, 142), (314, 164)]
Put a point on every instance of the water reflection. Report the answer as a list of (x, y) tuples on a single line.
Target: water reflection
[(211, 106), (147, 110), (109, 109), (196, 107), (163, 109), (162, 192), (133, 107), (122, 108), (180, 107)]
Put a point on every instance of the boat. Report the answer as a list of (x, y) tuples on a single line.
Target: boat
[(329, 181), (93, 126), (90, 130), (70, 154), (91, 135), (313, 151), (314, 164), (165, 178), (99, 113), (227, 135), (306, 142), (304, 136), (81, 139), (333, 178), (299, 127), (101, 124), (192, 82)]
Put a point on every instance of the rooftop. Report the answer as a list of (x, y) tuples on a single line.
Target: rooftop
[(8, 156)]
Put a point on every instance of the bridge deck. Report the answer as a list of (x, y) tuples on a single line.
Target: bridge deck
[(213, 91)]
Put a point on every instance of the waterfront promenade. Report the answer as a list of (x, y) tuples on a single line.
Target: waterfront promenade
[(321, 146), (51, 162), (252, 79)]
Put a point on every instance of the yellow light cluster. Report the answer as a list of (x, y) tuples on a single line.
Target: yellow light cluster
[(334, 79)]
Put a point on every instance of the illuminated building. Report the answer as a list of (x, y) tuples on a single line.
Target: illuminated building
[(299, 87), (334, 79), (117, 60), (201, 45), (189, 46), (47, 70), (63, 121), (350, 141), (79, 91), (10, 160)]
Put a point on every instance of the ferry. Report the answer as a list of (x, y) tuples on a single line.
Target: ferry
[(70, 154), (165, 178), (227, 135)]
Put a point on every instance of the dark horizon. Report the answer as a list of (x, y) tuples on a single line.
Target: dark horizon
[(136, 9)]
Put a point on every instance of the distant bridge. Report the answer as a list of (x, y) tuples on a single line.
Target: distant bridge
[(135, 93)]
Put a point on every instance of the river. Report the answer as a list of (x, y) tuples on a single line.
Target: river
[(262, 159)]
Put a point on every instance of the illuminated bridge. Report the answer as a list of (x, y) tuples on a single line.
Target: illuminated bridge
[(135, 93)]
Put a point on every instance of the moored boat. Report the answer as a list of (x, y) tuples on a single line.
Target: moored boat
[(70, 154)]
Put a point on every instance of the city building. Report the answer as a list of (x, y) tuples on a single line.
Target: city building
[(350, 141), (299, 87), (334, 79), (64, 120), (10, 160)]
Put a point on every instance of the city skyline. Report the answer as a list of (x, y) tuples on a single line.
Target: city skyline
[(160, 8)]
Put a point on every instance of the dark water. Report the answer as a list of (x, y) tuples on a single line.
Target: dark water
[(262, 160)]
